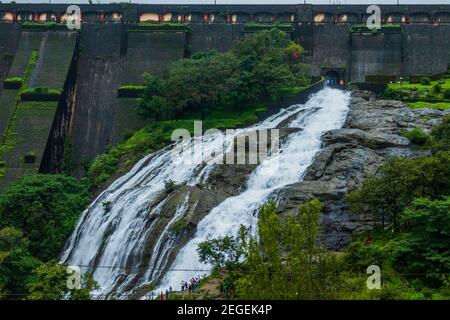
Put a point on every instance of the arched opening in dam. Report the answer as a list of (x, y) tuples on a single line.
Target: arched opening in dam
[(332, 78)]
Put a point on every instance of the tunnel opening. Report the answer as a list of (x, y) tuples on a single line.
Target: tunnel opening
[(332, 78)]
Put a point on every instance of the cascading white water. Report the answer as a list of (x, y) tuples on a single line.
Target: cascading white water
[(111, 233), (284, 168)]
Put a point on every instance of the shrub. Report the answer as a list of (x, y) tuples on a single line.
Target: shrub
[(45, 208), (437, 88), (425, 81), (169, 186), (179, 226), (447, 93), (51, 284), (402, 180), (361, 255), (130, 91), (13, 83), (441, 135), (40, 94), (16, 263), (425, 246), (416, 136)]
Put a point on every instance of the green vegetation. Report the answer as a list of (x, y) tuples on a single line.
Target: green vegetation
[(43, 25), (50, 283), (40, 94), (431, 105), (16, 263), (13, 83), (37, 214), (264, 26), (163, 24), (179, 226), (426, 94), (169, 186), (130, 91), (160, 27), (363, 28), (416, 136), (441, 135), (257, 69), (219, 89), (282, 262), (10, 137), (45, 208), (409, 200)]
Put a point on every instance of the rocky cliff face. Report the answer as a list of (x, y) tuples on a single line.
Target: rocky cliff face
[(370, 135)]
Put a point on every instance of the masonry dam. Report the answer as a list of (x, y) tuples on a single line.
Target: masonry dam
[(117, 43)]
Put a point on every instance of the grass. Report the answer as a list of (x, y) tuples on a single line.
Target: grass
[(363, 28), (10, 138), (162, 24), (132, 91), (160, 27), (419, 86), (269, 25), (434, 95), (41, 94), (430, 105), (13, 83), (43, 25)]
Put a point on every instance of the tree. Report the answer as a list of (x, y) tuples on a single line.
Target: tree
[(16, 264), (441, 135), (284, 261), (220, 253), (256, 69), (153, 104), (51, 284), (402, 180), (424, 248), (45, 208)]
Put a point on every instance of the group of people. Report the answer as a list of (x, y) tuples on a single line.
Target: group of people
[(192, 285)]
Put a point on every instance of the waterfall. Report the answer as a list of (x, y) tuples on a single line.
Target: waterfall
[(110, 237)]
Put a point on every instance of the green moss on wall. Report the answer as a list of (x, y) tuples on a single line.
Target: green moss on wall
[(13, 83)]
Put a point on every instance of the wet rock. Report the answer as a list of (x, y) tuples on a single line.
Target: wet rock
[(350, 155)]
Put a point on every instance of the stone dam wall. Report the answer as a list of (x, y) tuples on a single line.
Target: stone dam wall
[(117, 44)]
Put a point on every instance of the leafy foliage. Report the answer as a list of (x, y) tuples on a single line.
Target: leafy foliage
[(282, 262), (417, 136), (16, 263), (256, 69), (51, 284), (401, 181), (45, 208), (441, 135), (220, 253), (424, 247), (425, 81)]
